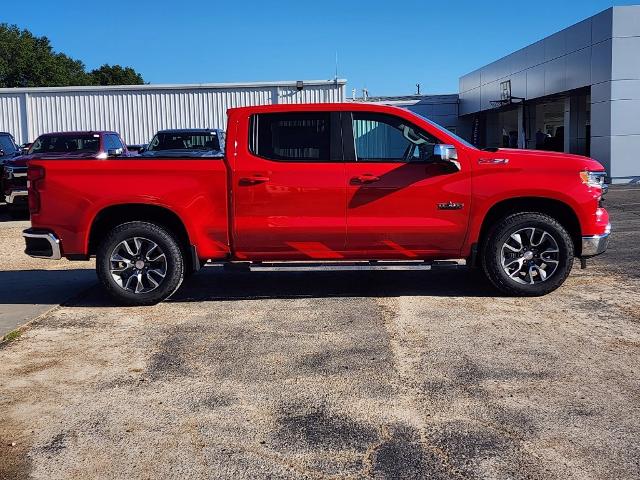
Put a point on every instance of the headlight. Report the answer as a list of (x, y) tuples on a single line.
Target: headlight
[(593, 179)]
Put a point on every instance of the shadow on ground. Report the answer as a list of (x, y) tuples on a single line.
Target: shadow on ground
[(43, 286), (213, 284)]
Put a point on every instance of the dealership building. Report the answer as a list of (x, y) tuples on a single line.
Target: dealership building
[(576, 91)]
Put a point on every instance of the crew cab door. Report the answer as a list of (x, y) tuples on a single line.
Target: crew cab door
[(402, 201), (289, 187)]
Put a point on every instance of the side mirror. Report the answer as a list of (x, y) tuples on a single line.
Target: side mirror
[(114, 152), (447, 154)]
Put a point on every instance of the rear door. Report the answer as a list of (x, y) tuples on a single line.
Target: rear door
[(401, 202), (289, 187)]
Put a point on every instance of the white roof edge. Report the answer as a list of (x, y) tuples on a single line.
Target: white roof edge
[(172, 86)]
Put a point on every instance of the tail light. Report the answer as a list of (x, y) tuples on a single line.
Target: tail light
[(35, 175)]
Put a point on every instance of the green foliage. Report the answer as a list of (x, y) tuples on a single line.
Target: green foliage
[(29, 61), (116, 75)]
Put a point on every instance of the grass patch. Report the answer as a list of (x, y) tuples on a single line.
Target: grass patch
[(11, 337)]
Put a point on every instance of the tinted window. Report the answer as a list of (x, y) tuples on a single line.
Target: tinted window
[(386, 138), (292, 137), (185, 141), (7, 145), (88, 143)]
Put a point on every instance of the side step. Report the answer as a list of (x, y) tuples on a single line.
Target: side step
[(338, 266)]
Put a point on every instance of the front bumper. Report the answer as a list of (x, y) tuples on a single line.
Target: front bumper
[(42, 244), (596, 244), (15, 196)]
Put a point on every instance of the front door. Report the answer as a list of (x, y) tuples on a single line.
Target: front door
[(289, 188), (401, 202)]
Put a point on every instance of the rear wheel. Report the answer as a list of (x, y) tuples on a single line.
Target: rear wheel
[(140, 263), (528, 254)]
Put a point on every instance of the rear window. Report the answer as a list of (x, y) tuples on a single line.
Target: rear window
[(292, 137), (184, 141), (86, 143)]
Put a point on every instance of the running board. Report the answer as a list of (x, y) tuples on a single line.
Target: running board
[(338, 266)]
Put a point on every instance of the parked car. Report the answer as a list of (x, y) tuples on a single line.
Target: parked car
[(8, 150), (94, 145), (187, 143), (327, 185)]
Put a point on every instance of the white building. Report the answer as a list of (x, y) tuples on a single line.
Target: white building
[(137, 112)]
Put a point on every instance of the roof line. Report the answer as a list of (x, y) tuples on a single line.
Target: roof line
[(172, 86)]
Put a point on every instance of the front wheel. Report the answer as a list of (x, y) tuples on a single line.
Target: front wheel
[(140, 263), (527, 254)]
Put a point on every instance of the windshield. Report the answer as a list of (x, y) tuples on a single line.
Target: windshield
[(6, 144), (448, 132), (184, 141), (84, 143)]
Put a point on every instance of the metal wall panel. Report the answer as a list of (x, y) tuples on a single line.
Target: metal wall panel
[(11, 115), (138, 112)]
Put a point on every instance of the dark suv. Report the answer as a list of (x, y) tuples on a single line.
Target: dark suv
[(98, 145)]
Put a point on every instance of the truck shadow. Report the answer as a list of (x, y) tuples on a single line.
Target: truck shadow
[(43, 287), (212, 284), (79, 287)]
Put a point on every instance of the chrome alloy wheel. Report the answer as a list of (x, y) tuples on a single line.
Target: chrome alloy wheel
[(530, 255), (138, 265)]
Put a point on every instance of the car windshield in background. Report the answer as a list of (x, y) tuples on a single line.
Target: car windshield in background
[(184, 141), (66, 144), (7, 145)]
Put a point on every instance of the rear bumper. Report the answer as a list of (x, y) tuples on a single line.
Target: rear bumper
[(16, 196), (42, 244), (596, 244)]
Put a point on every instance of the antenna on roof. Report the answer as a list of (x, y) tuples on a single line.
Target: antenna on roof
[(418, 88), (336, 77)]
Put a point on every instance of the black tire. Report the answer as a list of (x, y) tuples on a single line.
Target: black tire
[(173, 266), (501, 233)]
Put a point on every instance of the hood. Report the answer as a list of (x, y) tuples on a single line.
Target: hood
[(183, 153), (544, 159), (20, 161)]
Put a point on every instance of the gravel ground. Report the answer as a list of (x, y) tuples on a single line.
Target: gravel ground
[(325, 375)]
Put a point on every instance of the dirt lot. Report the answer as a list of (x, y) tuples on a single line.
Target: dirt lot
[(334, 375)]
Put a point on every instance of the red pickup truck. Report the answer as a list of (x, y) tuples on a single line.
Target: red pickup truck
[(325, 185)]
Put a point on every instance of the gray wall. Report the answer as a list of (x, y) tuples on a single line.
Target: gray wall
[(575, 57), (615, 99)]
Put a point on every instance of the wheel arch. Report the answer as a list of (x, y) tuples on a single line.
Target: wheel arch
[(114, 215), (560, 211)]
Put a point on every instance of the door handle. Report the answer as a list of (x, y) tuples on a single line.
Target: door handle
[(255, 180), (365, 178)]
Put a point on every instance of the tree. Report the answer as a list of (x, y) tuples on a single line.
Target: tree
[(116, 75), (29, 61)]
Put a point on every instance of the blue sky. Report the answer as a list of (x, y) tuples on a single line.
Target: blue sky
[(387, 46)]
